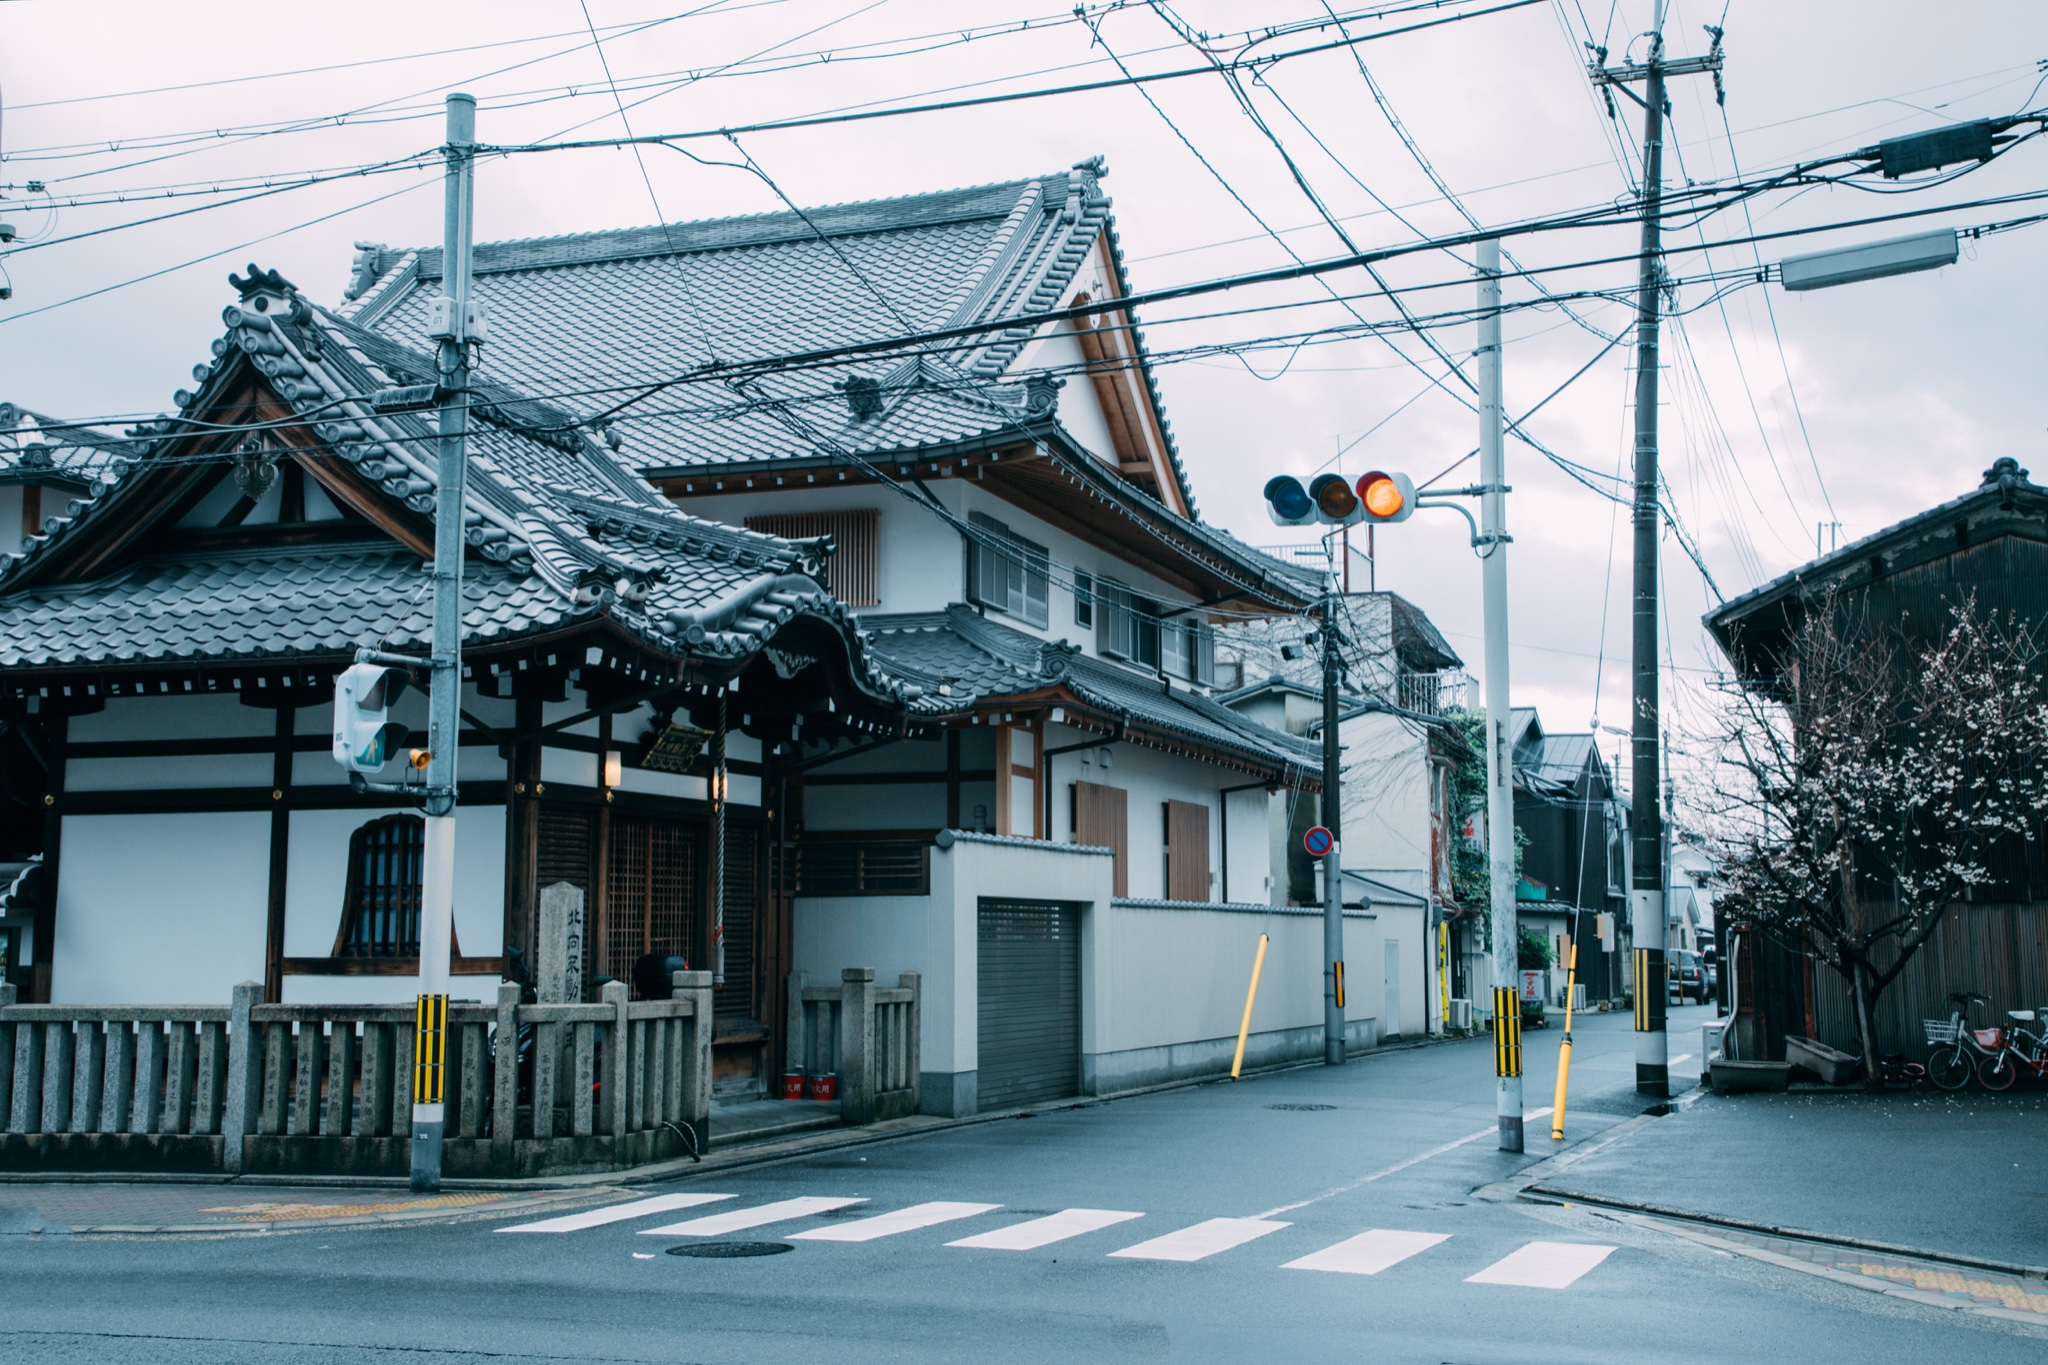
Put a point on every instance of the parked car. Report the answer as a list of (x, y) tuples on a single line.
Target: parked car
[(1688, 976)]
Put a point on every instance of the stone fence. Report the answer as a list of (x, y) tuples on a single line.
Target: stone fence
[(865, 1035), (326, 1089)]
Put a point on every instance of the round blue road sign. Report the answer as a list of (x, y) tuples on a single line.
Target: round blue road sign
[(1318, 841)]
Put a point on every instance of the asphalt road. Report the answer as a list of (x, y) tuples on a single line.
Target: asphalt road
[(1372, 1165)]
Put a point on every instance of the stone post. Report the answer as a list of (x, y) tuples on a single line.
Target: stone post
[(796, 1042), (857, 1045), (245, 1077), (7, 999), (696, 1061), (505, 1082), (559, 972), (615, 1059), (913, 1037)]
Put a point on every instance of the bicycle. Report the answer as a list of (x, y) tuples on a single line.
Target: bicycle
[(1956, 1050), (2024, 1050)]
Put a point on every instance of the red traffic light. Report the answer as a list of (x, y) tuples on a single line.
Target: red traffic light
[(1386, 497)]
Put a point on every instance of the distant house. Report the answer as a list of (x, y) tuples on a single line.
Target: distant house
[(46, 464), (1989, 546), (1401, 744), (1574, 882)]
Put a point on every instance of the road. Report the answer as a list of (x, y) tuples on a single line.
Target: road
[(1214, 1223)]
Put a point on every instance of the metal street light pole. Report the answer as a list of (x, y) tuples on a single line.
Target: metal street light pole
[(1492, 543), (451, 326)]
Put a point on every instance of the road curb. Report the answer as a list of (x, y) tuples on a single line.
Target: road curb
[(2029, 1272), (1869, 1284)]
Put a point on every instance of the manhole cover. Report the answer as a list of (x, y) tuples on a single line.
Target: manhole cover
[(725, 1250), (1302, 1108)]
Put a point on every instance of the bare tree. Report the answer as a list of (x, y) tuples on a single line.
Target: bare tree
[(1877, 782)]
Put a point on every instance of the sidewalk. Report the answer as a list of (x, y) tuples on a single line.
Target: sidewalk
[(1955, 1176)]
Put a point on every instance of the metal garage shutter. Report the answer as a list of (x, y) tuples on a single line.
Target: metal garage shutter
[(1030, 993)]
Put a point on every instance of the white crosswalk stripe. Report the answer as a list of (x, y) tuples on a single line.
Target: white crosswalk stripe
[(1369, 1252), (1534, 1265), (889, 1224), (1202, 1240), (1043, 1232), (1543, 1265), (739, 1220), (618, 1213)]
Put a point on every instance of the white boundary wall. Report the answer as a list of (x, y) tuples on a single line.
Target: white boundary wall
[(1162, 983)]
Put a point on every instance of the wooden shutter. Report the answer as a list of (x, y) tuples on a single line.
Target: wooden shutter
[(1102, 818), (1187, 851), (853, 570), (652, 895)]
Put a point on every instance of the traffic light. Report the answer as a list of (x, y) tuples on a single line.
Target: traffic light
[(1336, 504), (1287, 502), (1385, 497), (364, 738)]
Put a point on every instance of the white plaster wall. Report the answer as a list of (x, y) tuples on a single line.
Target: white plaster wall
[(316, 878), (161, 774), (1179, 976), (1151, 778), (922, 566), (892, 806), (1386, 797), (923, 562), (160, 909), (1080, 412), (201, 716)]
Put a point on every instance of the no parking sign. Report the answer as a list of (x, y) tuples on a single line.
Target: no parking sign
[(1318, 841)]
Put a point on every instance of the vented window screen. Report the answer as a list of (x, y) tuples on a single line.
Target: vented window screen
[(853, 570), (1007, 572), (381, 915), (1187, 851), (1102, 820)]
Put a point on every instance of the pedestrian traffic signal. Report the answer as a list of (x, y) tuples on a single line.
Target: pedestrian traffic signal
[(1287, 502), (1385, 497), (365, 738)]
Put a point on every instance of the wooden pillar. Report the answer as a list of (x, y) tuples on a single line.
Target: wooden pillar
[(952, 779), (280, 851), (600, 863), (56, 735), (522, 834)]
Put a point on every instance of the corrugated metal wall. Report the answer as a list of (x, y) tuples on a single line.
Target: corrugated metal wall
[(1996, 950)]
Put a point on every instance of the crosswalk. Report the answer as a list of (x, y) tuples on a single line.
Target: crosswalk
[(1533, 1265)]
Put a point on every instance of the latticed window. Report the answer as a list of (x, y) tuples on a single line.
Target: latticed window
[(1007, 572), (381, 916)]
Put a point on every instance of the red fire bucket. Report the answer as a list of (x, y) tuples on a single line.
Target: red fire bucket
[(825, 1087), (792, 1085)]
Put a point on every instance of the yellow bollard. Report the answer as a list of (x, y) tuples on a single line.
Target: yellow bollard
[(1244, 1029), (1564, 1052)]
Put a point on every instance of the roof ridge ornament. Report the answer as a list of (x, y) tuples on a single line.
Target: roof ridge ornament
[(262, 289), (2007, 477)]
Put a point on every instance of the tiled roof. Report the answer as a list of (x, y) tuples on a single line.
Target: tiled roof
[(560, 529), (585, 319), (35, 448), (965, 659)]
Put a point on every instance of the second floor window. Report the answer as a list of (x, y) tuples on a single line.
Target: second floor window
[(1131, 627), (1006, 572)]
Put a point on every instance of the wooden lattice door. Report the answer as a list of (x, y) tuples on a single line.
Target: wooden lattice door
[(652, 893)]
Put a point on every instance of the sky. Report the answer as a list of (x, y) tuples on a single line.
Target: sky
[(1783, 416)]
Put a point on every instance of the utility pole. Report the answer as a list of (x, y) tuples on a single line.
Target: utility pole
[(453, 326), (1492, 543), (1333, 861), (1646, 839)]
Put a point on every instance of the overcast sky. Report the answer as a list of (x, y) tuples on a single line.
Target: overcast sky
[(1858, 405)]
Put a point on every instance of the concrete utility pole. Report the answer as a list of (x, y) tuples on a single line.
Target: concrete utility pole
[(1646, 820), (1333, 861), (1500, 759), (451, 326)]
